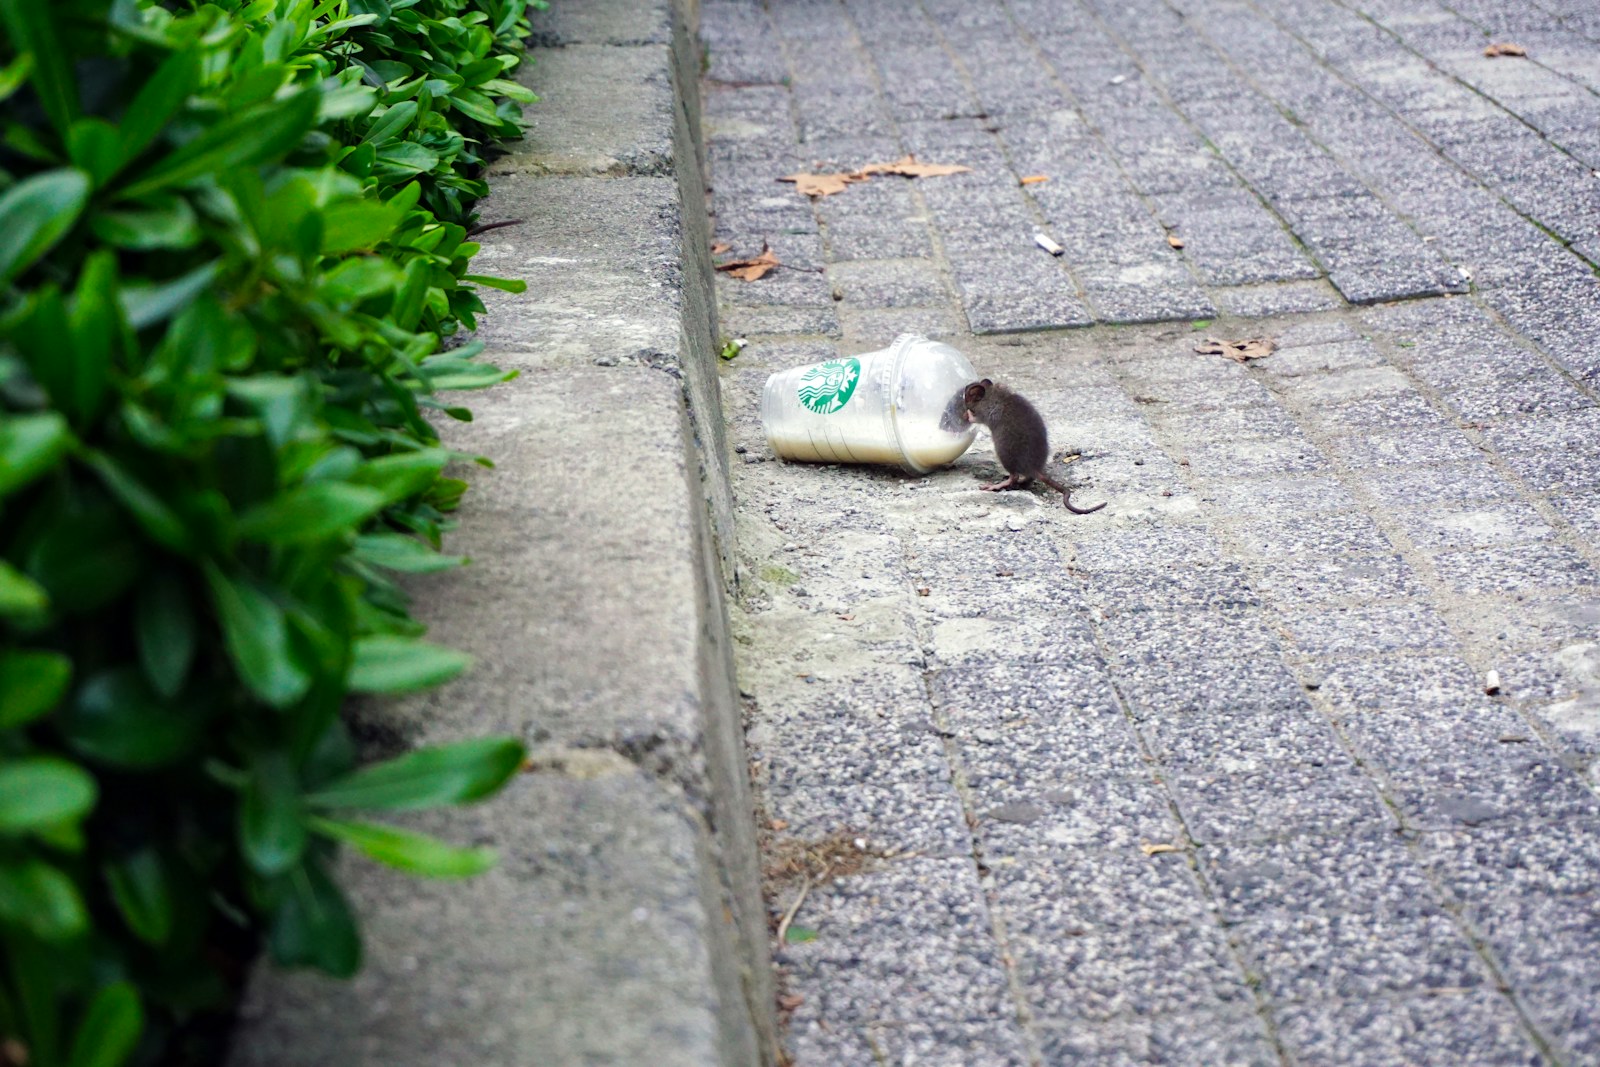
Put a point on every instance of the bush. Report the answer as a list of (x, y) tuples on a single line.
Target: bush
[(233, 243)]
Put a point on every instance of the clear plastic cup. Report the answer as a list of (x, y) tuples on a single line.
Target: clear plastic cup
[(900, 404)]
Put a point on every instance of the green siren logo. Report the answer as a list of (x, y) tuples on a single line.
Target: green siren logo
[(826, 387)]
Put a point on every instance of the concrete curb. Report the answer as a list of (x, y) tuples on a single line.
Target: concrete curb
[(624, 923)]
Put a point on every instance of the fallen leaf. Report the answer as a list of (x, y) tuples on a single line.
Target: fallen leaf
[(1238, 351), (1033, 178), (1174, 240), (1504, 48), (818, 185), (720, 247), (910, 167), (778, 824), (923, 590), (1004, 574), (845, 618), (750, 270), (790, 1001), (1156, 850), (799, 935)]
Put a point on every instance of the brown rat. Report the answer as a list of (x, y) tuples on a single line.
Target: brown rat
[(1020, 438)]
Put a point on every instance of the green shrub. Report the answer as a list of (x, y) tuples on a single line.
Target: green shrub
[(233, 243)]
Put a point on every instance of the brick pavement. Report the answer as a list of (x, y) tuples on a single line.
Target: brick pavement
[(1270, 651)]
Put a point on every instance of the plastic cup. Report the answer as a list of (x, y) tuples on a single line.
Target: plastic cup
[(900, 404)]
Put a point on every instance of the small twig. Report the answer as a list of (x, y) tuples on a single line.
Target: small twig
[(788, 916), (485, 227)]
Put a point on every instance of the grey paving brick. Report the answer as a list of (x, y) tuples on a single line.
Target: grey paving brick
[(1280, 497), (1427, 1031), (1279, 799), (1320, 580), (1500, 524), (1468, 484), (1366, 630), (1260, 301), (1515, 569), (935, 1043), (1446, 682), (1515, 858), (1124, 972), (905, 943), (1079, 891), (1243, 739), (1317, 532), (1233, 1036)]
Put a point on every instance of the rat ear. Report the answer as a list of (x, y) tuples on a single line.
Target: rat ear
[(975, 392), (987, 383)]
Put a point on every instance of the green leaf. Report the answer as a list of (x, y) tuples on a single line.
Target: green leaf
[(15, 75), (309, 513), (37, 896), (386, 664), (449, 373), (799, 935), (19, 594), (256, 634), (391, 123), (168, 222), (272, 829), (158, 520), (110, 1028), (457, 773), (38, 792), (506, 285), (29, 446), (358, 224), (256, 135), (36, 213), (397, 552), (94, 326), (403, 474), (116, 719), (313, 925), (146, 305), (31, 684), (94, 146), (410, 852), (33, 33), (140, 889), (157, 101), (164, 628)]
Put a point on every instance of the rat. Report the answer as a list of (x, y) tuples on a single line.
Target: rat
[(1020, 438)]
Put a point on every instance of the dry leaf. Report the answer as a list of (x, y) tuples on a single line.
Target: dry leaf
[(750, 270), (846, 618), (909, 167), (1504, 48), (817, 185), (1156, 850), (720, 247), (1033, 178), (1238, 351), (923, 590), (778, 824), (1174, 240), (790, 1001)]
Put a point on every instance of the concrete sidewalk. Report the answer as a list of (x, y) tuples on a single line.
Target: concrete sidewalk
[(1216, 776)]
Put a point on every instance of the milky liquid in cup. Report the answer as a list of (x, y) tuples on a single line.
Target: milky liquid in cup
[(899, 405)]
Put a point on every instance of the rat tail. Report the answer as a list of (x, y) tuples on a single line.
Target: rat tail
[(1066, 496)]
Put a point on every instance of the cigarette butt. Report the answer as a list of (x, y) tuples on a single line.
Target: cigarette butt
[(1491, 683), (1048, 245)]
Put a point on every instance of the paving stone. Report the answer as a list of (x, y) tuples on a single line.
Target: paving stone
[(1233, 1036), (905, 943), (1260, 301), (1515, 569), (1371, 629), (1515, 858), (1460, 484), (1079, 891), (1127, 972), (1427, 1031), (1320, 533), (1319, 579), (930, 1042), (1207, 683), (1241, 740), (1280, 497), (1279, 799), (1405, 683)]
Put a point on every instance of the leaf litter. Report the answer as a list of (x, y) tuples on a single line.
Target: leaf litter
[(753, 269), (1504, 48), (820, 185), (1238, 351)]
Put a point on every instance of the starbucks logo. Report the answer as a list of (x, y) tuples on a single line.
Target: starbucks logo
[(826, 387)]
